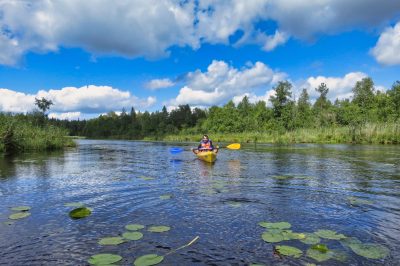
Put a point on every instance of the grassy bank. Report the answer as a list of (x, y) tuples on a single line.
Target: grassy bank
[(368, 134), (21, 133)]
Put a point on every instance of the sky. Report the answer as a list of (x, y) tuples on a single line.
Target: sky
[(96, 56)]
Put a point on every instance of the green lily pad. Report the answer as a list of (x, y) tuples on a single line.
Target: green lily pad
[(19, 215), (370, 251), (21, 208), (74, 204), (289, 235), (358, 201), (310, 239), (148, 260), (132, 235), (283, 177), (9, 223), (289, 251), (79, 213), (134, 227), (320, 247), (104, 259), (346, 242), (234, 204), (339, 255), (272, 237), (319, 255), (329, 234), (146, 178), (166, 196), (111, 241), (280, 225), (158, 229)]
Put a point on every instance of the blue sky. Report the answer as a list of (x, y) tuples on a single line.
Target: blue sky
[(101, 56)]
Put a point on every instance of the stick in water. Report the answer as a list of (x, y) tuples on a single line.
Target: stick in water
[(184, 246)]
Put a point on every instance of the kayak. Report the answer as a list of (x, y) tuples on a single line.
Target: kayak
[(207, 156)]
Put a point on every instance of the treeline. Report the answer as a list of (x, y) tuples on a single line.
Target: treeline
[(367, 106)]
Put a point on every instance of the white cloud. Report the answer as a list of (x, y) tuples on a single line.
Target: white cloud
[(387, 49), (156, 84), (66, 116), (253, 98), (150, 27), (87, 99), (339, 87), (222, 82)]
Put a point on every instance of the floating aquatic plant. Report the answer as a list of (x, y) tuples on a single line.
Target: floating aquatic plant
[(134, 227), (310, 239), (19, 215), (271, 237), (279, 225), (319, 255), (358, 201), (289, 251), (21, 208), (111, 241), (234, 204), (79, 213), (166, 196), (158, 229), (320, 247), (283, 177), (329, 234), (148, 260), (369, 250), (147, 178), (132, 235), (104, 259)]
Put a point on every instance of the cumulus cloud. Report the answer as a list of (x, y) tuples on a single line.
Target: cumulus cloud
[(66, 116), (387, 49), (339, 87), (221, 82), (150, 27), (156, 84), (87, 99)]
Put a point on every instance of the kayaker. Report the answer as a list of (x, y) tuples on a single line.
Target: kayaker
[(205, 145)]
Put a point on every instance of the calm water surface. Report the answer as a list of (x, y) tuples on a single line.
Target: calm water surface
[(221, 203)]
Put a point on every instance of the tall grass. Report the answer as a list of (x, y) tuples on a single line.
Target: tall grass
[(387, 133), (19, 133)]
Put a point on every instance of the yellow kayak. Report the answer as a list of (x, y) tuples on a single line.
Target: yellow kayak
[(207, 156)]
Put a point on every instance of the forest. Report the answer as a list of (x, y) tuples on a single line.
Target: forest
[(370, 116)]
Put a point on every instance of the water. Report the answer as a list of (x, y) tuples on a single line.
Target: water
[(221, 203)]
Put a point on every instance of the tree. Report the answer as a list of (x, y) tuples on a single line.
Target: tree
[(281, 103), (322, 106), (303, 118), (364, 97), (43, 104)]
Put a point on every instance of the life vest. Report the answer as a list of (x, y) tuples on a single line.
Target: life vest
[(206, 145)]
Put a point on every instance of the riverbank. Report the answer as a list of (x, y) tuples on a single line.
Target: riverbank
[(18, 134), (369, 134)]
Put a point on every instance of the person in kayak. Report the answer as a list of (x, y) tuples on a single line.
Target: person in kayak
[(205, 145)]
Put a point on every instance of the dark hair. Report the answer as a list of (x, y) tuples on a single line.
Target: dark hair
[(205, 136)]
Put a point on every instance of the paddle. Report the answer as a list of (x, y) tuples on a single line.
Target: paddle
[(233, 146)]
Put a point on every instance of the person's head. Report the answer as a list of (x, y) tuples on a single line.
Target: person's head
[(205, 138)]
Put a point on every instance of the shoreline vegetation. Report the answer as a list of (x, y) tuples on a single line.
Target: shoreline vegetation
[(20, 133), (370, 116)]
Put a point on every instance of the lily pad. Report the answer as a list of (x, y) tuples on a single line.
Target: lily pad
[(166, 196), (19, 215), (358, 201), (272, 237), (158, 229), (283, 177), (21, 208), (79, 213), (320, 247), (132, 235), (147, 178), (289, 235), (104, 259), (234, 204), (346, 242), (310, 239), (134, 227), (370, 251), (9, 223), (74, 204), (111, 241), (319, 255), (329, 234), (289, 251), (279, 225), (148, 260)]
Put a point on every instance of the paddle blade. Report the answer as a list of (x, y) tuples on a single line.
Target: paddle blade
[(234, 146), (175, 150)]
